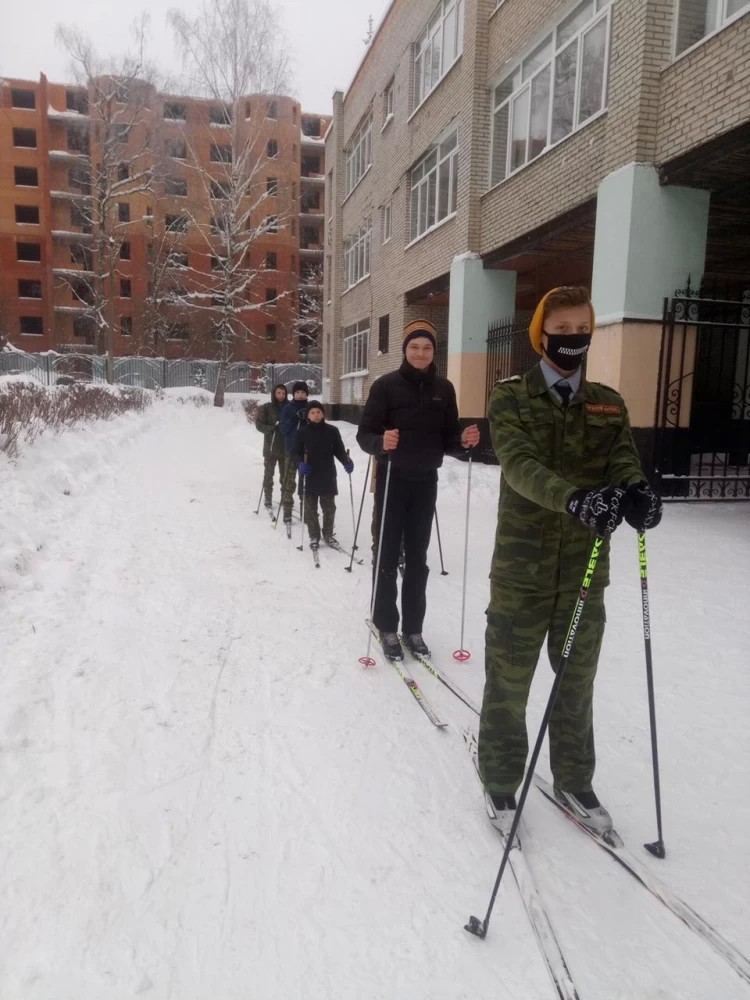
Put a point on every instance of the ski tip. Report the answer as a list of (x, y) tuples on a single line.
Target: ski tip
[(657, 849), (476, 927)]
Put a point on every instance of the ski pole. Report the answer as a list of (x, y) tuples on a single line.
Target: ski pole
[(270, 455), (461, 654), (367, 660), (351, 497), (301, 545), (657, 848), (443, 570), (359, 518), (475, 925)]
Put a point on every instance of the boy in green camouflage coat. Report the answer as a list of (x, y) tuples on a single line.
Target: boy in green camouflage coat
[(570, 471)]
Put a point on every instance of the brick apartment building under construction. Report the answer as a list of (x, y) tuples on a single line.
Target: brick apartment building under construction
[(487, 150), (52, 140)]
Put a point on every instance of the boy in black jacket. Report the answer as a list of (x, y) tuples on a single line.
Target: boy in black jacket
[(315, 446), (410, 419)]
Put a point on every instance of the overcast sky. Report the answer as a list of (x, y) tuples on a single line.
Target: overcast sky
[(325, 38)]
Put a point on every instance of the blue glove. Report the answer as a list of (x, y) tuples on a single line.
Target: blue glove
[(349, 467), (304, 468)]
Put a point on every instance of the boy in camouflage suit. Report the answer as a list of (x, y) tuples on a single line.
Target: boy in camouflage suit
[(570, 471)]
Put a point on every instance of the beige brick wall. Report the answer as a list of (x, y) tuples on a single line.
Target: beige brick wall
[(706, 92)]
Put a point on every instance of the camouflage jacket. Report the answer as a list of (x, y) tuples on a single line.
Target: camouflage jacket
[(267, 422), (546, 452)]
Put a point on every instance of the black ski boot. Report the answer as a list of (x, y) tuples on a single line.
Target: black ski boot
[(391, 646), (416, 644)]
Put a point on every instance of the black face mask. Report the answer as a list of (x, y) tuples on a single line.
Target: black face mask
[(567, 350)]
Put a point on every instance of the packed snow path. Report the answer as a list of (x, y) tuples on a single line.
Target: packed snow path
[(205, 797)]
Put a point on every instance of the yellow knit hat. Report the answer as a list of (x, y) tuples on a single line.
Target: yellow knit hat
[(537, 320)]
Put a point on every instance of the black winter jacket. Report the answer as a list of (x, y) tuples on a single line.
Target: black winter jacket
[(292, 418), (422, 406), (320, 443)]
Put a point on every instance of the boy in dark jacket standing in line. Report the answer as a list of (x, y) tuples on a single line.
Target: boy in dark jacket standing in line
[(570, 471), (267, 422), (292, 418), (410, 419), (315, 447)]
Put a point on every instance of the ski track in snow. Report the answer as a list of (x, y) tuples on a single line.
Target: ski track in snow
[(204, 796)]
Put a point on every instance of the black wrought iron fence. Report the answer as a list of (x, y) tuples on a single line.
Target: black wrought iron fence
[(509, 351)]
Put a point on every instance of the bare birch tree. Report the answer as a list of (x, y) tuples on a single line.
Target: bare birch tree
[(232, 49), (112, 135), (309, 323)]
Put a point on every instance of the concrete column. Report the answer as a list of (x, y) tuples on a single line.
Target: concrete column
[(477, 298), (649, 240)]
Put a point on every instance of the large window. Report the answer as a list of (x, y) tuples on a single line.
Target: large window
[(557, 88), (434, 186), (357, 254), (438, 47), (698, 18), (356, 347), (359, 153)]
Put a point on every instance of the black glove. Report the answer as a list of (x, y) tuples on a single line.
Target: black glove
[(644, 507), (600, 509)]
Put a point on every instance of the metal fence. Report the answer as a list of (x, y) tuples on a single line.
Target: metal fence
[(156, 373), (509, 351)]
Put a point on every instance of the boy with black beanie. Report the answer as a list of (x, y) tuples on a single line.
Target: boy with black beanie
[(315, 447), (292, 418)]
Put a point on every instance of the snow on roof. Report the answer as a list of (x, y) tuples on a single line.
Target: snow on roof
[(54, 113)]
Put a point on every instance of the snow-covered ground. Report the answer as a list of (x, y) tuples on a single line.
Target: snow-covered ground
[(203, 795)]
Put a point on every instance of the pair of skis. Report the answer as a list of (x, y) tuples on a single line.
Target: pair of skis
[(614, 846), (406, 677)]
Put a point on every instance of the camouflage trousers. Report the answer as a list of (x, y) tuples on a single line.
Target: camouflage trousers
[(288, 484), (328, 509), (517, 623), (270, 463)]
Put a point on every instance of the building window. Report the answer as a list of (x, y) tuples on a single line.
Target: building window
[(388, 95), (359, 153), (384, 328), (272, 186), (556, 89), (123, 171), (32, 325), (80, 180), (77, 100), (357, 254), (271, 298), (176, 223), (696, 19), (174, 111), (29, 289), (438, 47), (84, 326), (121, 133), (125, 288), (27, 215), (179, 331), (271, 261), (79, 217), (78, 141), (22, 99), (176, 148), (80, 254), (125, 251), (272, 111), (126, 326), (24, 138), (434, 186), (271, 331), (176, 187), (356, 347), (26, 176), (217, 263), (219, 114), (219, 189), (272, 224), (177, 258), (272, 149), (29, 251), (123, 211), (220, 154), (385, 222)]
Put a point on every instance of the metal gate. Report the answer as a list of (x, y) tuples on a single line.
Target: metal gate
[(702, 440), (509, 350)]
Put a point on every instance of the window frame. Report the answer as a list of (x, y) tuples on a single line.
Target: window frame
[(386, 222), (358, 255), (521, 79), (424, 47), (358, 153), (423, 184), (723, 20), (355, 346), (17, 183)]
